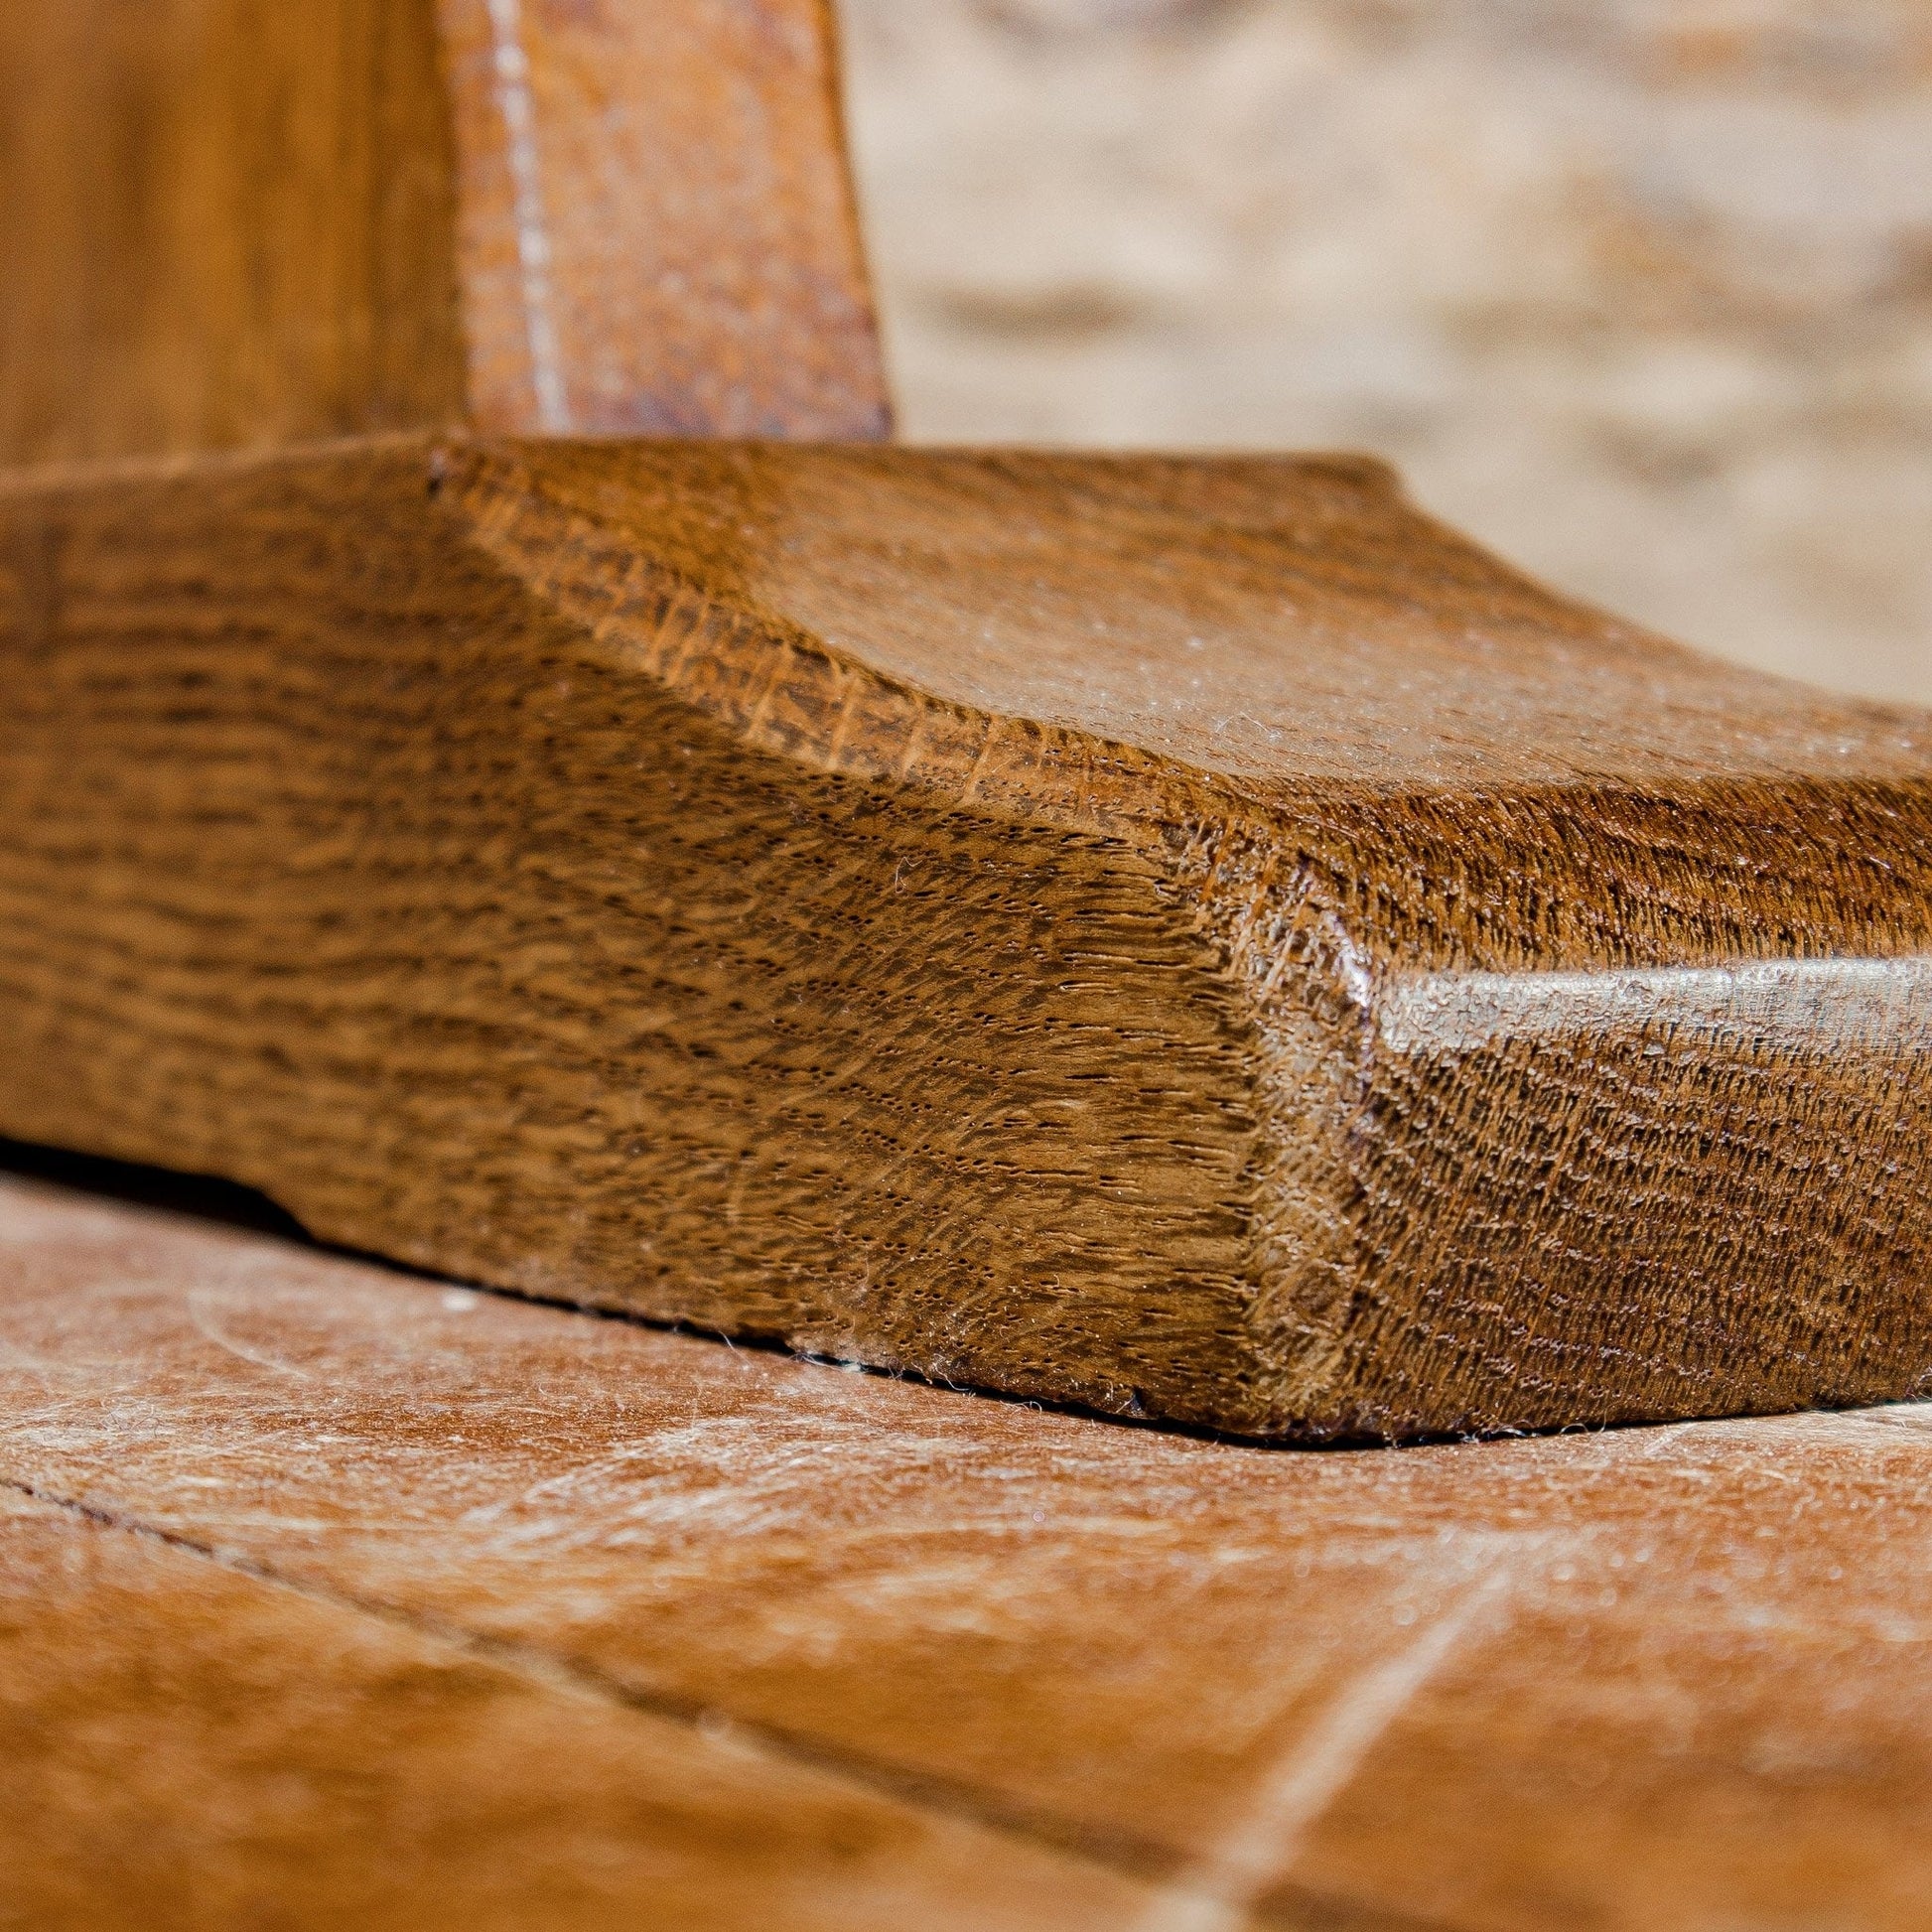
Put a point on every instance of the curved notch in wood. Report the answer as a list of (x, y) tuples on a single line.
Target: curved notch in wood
[(236, 224), (1190, 937)]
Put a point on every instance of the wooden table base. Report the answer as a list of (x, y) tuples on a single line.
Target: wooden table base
[(1189, 938), (330, 1594)]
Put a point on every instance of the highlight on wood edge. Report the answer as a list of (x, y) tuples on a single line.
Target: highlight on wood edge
[(1190, 937)]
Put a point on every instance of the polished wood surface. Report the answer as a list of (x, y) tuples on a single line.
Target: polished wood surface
[(462, 1607), (226, 222), (238, 223), (1194, 938)]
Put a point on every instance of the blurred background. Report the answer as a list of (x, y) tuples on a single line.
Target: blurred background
[(1638, 291)]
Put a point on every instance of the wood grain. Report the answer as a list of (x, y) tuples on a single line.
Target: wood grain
[(657, 230), (1190, 937), (239, 223), (1651, 1681)]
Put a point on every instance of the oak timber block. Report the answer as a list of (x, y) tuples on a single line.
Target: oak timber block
[(235, 224), (1192, 938)]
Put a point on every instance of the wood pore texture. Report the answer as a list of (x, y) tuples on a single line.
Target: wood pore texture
[(331, 1596), (240, 223), (1193, 939)]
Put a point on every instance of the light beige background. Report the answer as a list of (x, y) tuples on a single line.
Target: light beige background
[(1638, 291)]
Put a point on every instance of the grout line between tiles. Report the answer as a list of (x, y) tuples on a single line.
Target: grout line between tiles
[(948, 1798)]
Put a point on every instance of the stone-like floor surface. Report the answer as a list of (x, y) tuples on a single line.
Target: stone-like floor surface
[(332, 1594)]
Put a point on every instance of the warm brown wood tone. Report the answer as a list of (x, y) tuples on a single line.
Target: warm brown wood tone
[(227, 222), (1650, 1681), (248, 223), (1192, 938), (673, 250), (184, 1743)]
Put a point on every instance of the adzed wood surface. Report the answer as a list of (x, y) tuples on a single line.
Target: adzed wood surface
[(244, 223), (1190, 937), (334, 1595)]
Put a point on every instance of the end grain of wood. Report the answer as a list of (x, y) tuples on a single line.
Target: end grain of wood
[(1190, 937)]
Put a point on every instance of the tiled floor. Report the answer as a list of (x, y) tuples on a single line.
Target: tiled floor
[(332, 1594)]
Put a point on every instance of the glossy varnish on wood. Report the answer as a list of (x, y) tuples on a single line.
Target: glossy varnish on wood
[(1190, 937), (349, 1598), (240, 222)]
